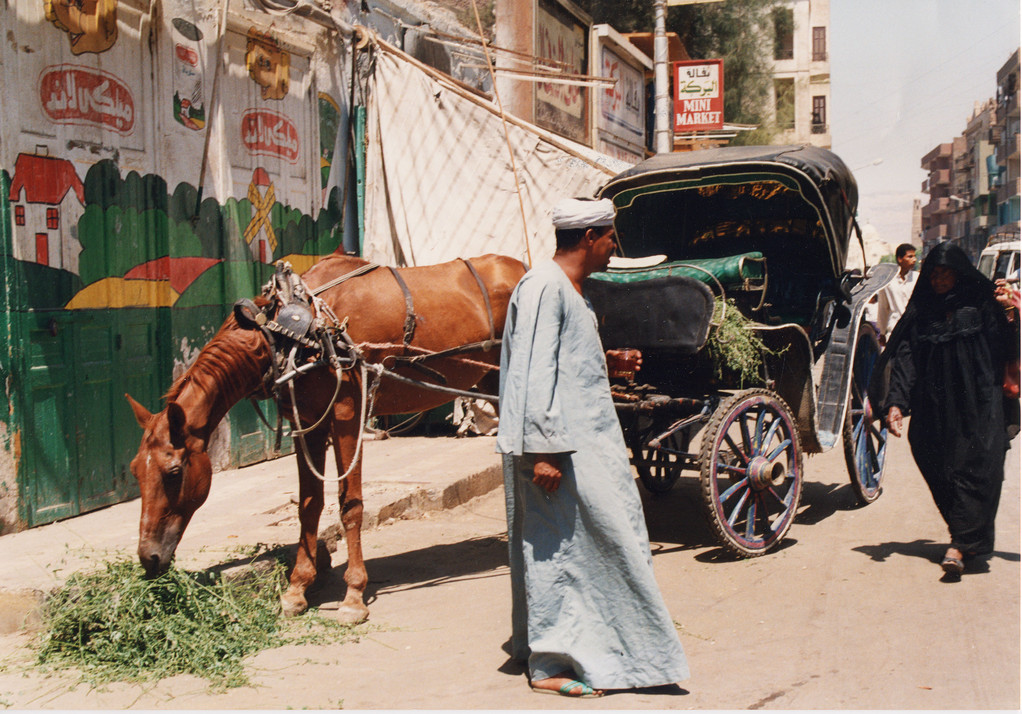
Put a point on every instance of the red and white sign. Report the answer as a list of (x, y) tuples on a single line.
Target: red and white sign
[(269, 133), (187, 55), (70, 94), (698, 95)]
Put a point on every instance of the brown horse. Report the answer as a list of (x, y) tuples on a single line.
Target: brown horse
[(174, 471)]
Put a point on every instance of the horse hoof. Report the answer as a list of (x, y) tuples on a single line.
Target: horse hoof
[(292, 605), (352, 614)]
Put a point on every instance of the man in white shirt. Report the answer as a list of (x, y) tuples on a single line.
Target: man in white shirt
[(894, 297)]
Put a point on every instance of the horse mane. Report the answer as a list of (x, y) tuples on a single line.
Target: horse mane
[(227, 366)]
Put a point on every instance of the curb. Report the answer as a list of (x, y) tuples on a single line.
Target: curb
[(421, 501), (20, 610)]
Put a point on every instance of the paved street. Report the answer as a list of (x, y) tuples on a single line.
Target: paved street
[(850, 613)]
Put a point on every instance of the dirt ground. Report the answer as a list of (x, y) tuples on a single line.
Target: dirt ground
[(850, 613)]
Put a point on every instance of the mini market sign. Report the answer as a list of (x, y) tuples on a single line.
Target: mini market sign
[(698, 95)]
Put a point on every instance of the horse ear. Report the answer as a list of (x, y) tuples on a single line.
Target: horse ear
[(176, 419), (142, 415)]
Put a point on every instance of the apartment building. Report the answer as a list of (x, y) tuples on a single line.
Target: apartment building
[(973, 180), (1006, 181), (801, 72)]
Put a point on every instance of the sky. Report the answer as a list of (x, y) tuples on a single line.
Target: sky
[(905, 75)]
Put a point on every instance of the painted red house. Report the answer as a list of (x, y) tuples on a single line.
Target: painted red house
[(47, 199)]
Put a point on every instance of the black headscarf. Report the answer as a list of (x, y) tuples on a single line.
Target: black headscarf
[(971, 288)]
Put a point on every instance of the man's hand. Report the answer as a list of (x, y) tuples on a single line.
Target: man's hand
[(546, 472), (623, 363), (894, 418)]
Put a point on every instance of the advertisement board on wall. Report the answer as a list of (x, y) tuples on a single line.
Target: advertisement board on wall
[(562, 108), (698, 95), (621, 119)]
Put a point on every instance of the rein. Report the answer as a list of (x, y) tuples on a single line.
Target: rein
[(305, 335)]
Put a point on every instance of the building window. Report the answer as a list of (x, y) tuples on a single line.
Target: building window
[(784, 33), (784, 103), (819, 44), (42, 249), (819, 115), (53, 219), (19, 215)]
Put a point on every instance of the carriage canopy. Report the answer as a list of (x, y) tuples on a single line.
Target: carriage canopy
[(795, 203)]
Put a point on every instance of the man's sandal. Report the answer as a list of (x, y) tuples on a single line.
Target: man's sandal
[(568, 690)]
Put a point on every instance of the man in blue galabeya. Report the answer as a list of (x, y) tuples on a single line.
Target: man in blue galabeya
[(587, 614)]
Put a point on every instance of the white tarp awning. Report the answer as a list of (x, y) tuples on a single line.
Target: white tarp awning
[(439, 178)]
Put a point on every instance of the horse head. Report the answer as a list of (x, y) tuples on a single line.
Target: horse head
[(174, 473)]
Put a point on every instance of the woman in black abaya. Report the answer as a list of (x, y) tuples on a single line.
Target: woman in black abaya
[(947, 367)]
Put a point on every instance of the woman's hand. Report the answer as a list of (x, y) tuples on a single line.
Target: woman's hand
[(894, 418)]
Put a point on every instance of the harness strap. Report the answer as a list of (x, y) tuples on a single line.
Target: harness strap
[(486, 295), (484, 345), (342, 278), (409, 307)]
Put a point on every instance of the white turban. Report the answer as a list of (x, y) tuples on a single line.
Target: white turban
[(583, 213)]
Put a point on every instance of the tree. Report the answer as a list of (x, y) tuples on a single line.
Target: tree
[(738, 31)]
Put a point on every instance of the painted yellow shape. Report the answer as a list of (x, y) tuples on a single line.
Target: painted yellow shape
[(118, 292), (300, 263)]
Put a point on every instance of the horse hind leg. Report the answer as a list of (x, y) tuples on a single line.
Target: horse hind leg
[(346, 431), (310, 507)]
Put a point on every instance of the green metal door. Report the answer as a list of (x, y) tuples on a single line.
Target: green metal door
[(48, 458), (79, 433)]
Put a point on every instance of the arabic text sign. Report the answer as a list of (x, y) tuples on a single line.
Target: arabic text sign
[(621, 104), (563, 43), (71, 94), (698, 95), (269, 134)]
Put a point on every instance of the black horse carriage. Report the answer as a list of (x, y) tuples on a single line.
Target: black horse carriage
[(734, 287)]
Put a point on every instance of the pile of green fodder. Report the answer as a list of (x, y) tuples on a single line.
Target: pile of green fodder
[(734, 346), (117, 625)]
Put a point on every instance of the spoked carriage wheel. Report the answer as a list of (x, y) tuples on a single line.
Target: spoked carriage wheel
[(751, 473), (658, 469), (865, 434)]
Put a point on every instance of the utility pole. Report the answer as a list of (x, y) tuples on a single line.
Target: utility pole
[(663, 129)]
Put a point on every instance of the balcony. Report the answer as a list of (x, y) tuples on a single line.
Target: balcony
[(1011, 146), (935, 234), (820, 128), (935, 207), (938, 153), (941, 177), (1008, 190)]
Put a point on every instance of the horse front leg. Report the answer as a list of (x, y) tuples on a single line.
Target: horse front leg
[(310, 507), (346, 430)]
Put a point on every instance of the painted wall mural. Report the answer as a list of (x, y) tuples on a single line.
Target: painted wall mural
[(122, 250), (189, 104), (47, 197), (329, 125), (268, 64), (269, 133), (131, 243), (91, 25), (72, 94)]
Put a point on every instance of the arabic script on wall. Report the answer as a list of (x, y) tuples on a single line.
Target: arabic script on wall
[(269, 134), (70, 94)]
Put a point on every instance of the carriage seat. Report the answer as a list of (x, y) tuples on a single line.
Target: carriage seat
[(669, 312), (744, 272)]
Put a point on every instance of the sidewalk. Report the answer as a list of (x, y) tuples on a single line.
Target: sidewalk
[(403, 477)]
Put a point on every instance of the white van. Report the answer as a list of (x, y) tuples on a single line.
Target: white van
[(999, 260)]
